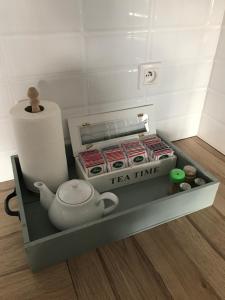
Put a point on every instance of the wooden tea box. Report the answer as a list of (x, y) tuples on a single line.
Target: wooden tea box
[(121, 127)]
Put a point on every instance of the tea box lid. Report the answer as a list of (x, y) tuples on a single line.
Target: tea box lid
[(96, 131)]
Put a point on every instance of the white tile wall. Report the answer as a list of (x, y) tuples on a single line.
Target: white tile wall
[(215, 106), (68, 90), (176, 128), (3, 68), (212, 126), (116, 14), (181, 13), (43, 54), (118, 85), (220, 54), (31, 16), (217, 12), (192, 103), (103, 50), (6, 135), (217, 78), (84, 55), (184, 76), (184, 44), (6, 100), (5, 163), (212, 131), (176, 13)]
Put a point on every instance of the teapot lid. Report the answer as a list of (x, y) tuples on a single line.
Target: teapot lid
[(75, 192)]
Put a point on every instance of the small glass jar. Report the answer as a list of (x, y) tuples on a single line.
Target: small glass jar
[(184, 186), (177, 176), (190, 174), (199, 181)]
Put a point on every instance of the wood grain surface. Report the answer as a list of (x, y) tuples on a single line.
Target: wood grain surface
[(183, 259), (211, 160)]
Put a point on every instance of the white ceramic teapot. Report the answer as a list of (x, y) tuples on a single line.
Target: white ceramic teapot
[(76, 202)]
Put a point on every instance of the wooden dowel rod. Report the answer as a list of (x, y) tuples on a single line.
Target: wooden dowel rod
[(34, 101)]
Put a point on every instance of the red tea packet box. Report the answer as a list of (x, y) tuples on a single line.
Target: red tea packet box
[(158, 150), (135, 152), (93, 162), (153, 139), (115, 158), (129, 153)]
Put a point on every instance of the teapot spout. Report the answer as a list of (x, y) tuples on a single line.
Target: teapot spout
[(46, 195)]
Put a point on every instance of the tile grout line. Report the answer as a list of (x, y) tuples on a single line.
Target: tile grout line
[(84, 56), (124, 30)]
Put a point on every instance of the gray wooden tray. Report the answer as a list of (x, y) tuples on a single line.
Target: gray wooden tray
[(142, 206)]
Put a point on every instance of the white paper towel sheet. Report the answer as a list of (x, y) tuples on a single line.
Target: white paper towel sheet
[(40, 144)]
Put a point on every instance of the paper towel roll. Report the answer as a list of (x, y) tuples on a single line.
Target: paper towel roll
[(40, 144)]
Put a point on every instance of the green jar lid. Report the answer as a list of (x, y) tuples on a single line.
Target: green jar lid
[(177, 175)]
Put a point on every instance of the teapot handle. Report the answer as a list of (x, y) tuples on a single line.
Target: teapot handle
[(111, 197)]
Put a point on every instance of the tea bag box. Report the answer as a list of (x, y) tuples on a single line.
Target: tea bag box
[(98, 131)]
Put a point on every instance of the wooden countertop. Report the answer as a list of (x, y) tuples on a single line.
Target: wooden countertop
[(183, 259)]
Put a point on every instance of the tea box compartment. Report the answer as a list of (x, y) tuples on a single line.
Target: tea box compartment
[(129, 175), (98, 131)]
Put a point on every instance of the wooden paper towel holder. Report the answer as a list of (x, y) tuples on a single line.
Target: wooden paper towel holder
[(35, 106)]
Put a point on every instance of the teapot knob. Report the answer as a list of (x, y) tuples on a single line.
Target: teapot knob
[(75, 183)]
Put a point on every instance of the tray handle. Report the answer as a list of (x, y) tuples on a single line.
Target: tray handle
[(7, 207)]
